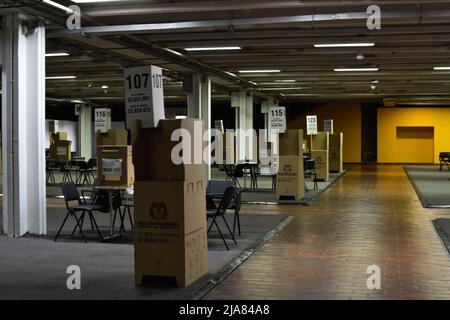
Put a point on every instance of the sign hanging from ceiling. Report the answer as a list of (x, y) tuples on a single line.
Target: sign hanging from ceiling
[(102, 120), (277, 119), (311, 125), (328, 126), (144, 96)]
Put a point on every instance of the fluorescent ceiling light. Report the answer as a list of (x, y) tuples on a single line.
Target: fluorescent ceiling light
[(60, 77), (356, 70), (343, 45), (254, 83), (212, 48), (259, 71), (57, 54), (285, 81), (105, 87), (59, 6), (231, 74), (441, 68), (92, 1)]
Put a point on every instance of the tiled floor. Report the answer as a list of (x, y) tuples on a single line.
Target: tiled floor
[(372, 216)]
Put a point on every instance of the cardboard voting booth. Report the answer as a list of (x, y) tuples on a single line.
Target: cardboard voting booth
[(170, 204), (290, 177), (61, 150), (336, 154), (115, 166), (320, 145), (112, 138)]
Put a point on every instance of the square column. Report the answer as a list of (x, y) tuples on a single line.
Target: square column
[(244, 124), (23, 127), (85, 132)]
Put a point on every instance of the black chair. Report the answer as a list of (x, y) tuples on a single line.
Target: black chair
[(233, 172), (85, 172), (127, 204), (50, 170), (66, 172), (70, 193), (444, 160), (226, 202), (309, 167)]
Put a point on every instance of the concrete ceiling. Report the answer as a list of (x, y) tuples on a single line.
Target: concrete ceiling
[(414, 37)]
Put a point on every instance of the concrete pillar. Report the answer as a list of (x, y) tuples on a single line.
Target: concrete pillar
[(23, 127), (244, 122), (199, 104), (85, 132)]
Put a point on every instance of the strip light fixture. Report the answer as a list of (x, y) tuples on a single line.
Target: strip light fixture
[(260, 71), (441, 68), (92, 1), (344, 45), (57, 54), (356, 69), (58, 6), (60, 77), (212, 48)]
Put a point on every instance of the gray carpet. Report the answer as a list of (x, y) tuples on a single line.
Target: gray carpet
[(432, 186), (35, 267), (270, 197), (442, 226)]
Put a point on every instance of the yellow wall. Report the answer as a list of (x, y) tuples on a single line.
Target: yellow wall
[(391, 150), (347, 119)]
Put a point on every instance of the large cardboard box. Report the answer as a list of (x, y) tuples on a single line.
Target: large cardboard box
[(290, 178), (61, 150), (170, 230), (115, 166), (155, 155), (321, 164), (290, 143), (112, 138), (336, 154)]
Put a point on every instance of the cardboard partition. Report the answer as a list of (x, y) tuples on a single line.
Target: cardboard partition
[(320, 141), (59, 136), (112, 138), (115, 166), (321, 164), (61, 150), (170, 230), (290, 178), (336, 152), (154, 151), (290, 143)]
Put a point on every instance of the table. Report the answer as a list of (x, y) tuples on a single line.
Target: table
[(110, 190)]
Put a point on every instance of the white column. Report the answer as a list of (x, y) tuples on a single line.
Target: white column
[(23, 127), (205, 115), (85, 132), (244, 122)]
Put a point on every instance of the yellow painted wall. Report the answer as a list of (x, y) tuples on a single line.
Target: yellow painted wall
[(391, 150), (347, 119)]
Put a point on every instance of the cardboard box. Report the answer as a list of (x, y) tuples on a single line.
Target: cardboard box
[(115, 166), (61, 150), (112, 138), (321, 164), (336, 154), (59, 136), (290, 143), (153, 152), (320, 141), (290, 178), (170, 230)]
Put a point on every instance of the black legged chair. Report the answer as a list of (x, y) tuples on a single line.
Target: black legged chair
[(70, 193), (225, 203)]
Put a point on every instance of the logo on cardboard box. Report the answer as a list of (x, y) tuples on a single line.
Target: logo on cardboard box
[(287, 168), (158, 211)]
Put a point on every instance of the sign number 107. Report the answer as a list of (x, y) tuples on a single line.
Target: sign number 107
[(139, 81)]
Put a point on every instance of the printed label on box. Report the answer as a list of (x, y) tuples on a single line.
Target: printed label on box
[(112, 167), (61, 151)]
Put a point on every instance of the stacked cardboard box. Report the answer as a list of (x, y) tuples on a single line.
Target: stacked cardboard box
[(320, 153), (170, 204), (336, 145), (290, 178), (115, 166), (60, 147), (112, 138)]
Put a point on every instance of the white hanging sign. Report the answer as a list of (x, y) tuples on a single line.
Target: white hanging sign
[(102, 120), (328, 126), (311, 125), (144, 96), (277, 119)]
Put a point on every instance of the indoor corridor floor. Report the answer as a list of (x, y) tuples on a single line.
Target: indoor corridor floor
[(371, 216)]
